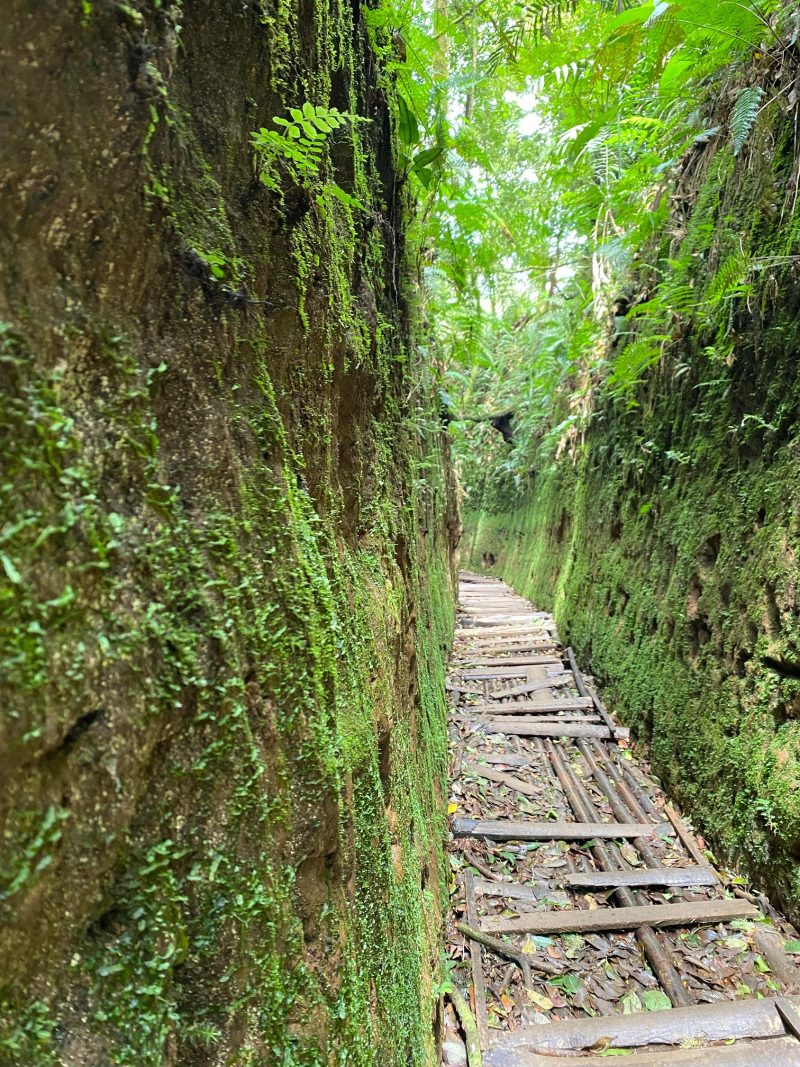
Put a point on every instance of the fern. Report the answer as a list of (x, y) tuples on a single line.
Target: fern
[(301, 143), (636, 358), (744, 117), (729, 281)]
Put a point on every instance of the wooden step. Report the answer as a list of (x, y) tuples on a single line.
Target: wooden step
[(488, 645), (598, 920), (510, 670), (774, 1052), (525, 830), (530, 629), (545, 720), (530, 707), (512, 661), (739, 1020), (511, 725), (660, 876)]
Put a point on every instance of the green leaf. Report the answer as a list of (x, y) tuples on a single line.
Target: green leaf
[(11, 571), (408, 127), (425, 157), (536, 942), (570, 983), (631, 1003), (655, 1000), (792, 947)]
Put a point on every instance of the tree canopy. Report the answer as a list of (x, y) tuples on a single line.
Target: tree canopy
[(544, 143)]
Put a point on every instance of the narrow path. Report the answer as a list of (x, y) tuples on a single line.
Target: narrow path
[(583, 904)]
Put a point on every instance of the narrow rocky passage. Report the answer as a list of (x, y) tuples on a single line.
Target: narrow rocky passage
[(583, 906)]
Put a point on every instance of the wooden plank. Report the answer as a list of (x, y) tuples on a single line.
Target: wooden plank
[(511, 661), (511, 890), (495, 603), (500, 668), (573, 717), (721, 1021), (526, 830), (511, 759), (773, 1052), (574, 921), (666, 876), (510, 725), (489, 646), (530, 707), (533, 687), (533, 627)]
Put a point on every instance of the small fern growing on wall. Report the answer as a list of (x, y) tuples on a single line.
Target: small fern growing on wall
[(299, 144), (744, 118)]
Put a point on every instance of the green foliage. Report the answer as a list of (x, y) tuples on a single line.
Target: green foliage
[(744, 116), (544, 145), (301, 143)]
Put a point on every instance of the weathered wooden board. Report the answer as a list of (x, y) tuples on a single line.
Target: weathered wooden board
[(489, 647), (773, 1052), (531, 707), (534, 629), (666, 876), (476, 959), (769, 943), (511, 759), (511, 725), (544, 720), (511, 890), (573, 921), (503, 668), (526, 830), (713, 1022)]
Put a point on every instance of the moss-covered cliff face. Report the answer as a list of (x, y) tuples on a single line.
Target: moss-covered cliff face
[(667, 539), (226, 597)]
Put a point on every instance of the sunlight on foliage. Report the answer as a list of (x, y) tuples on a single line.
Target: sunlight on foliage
[(543, 144)]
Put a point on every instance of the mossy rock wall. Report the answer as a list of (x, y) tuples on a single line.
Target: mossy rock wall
[(226, 597), (666, 540)]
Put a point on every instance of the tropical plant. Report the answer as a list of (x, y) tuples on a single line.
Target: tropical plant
[(543, 142)]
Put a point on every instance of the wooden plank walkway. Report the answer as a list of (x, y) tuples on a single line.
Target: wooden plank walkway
[(583, 906)]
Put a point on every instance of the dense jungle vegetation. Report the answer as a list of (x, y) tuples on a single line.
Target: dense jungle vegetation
[(546, 143)]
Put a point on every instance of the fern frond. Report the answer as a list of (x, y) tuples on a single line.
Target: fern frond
[(744, 116), (729, 279), (634, 360)]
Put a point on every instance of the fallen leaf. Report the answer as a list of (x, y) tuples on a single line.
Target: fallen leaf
[(655, 1000), (540, 1001)]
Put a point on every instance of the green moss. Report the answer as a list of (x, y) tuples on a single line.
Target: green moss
[(226, 734)]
